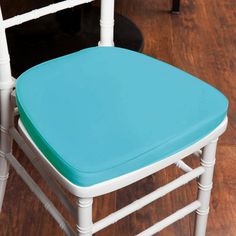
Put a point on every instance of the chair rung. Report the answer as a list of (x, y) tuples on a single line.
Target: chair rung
[(34, 14), (138, 204), (65, 226), (35, 160), (198, 153), (183, 166), (171, 219)]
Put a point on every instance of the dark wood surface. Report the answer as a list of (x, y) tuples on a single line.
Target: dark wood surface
[(202, 41)]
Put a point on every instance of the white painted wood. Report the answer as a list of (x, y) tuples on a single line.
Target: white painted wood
[(37, 13), (127, 179), (85, 221), (204, 187), (6, 110), (13, 101), (171, 219), (198, 153), (183, 166), (40, 195), (107, 23), (6, 81), (4, 168), (140, 203)]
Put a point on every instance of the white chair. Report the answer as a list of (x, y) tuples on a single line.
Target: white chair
[(103, 118)]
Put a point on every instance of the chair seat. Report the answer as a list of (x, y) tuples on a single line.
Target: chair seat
[(103, 112)]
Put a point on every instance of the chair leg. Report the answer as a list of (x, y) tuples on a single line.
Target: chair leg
[(175, 6), (204, 188), (85, 222), (4, 168), (6, 120)]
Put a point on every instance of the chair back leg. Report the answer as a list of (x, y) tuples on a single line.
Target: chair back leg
[(6, 110), (204, 188), (5, 140)]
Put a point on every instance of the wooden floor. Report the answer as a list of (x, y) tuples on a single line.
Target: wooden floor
[(202, 41)]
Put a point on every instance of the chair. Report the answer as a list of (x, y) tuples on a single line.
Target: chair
[(103, 118)]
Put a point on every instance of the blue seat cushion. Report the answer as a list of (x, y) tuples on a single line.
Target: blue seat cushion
[(104, 111)]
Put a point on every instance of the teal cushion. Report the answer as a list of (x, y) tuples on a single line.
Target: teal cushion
[(103, 112)]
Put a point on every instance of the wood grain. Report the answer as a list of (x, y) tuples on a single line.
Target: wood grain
[(201, 40)]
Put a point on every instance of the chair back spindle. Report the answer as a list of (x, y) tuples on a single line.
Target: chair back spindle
[(5, 70), (107, 23)]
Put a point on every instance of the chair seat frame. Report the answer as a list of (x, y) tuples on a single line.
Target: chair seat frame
[(205, 149)]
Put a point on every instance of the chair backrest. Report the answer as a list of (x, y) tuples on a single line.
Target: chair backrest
[(106, 30)]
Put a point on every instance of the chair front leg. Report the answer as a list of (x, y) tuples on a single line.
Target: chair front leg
[(204, 188), (85, 215), (4, 168)]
